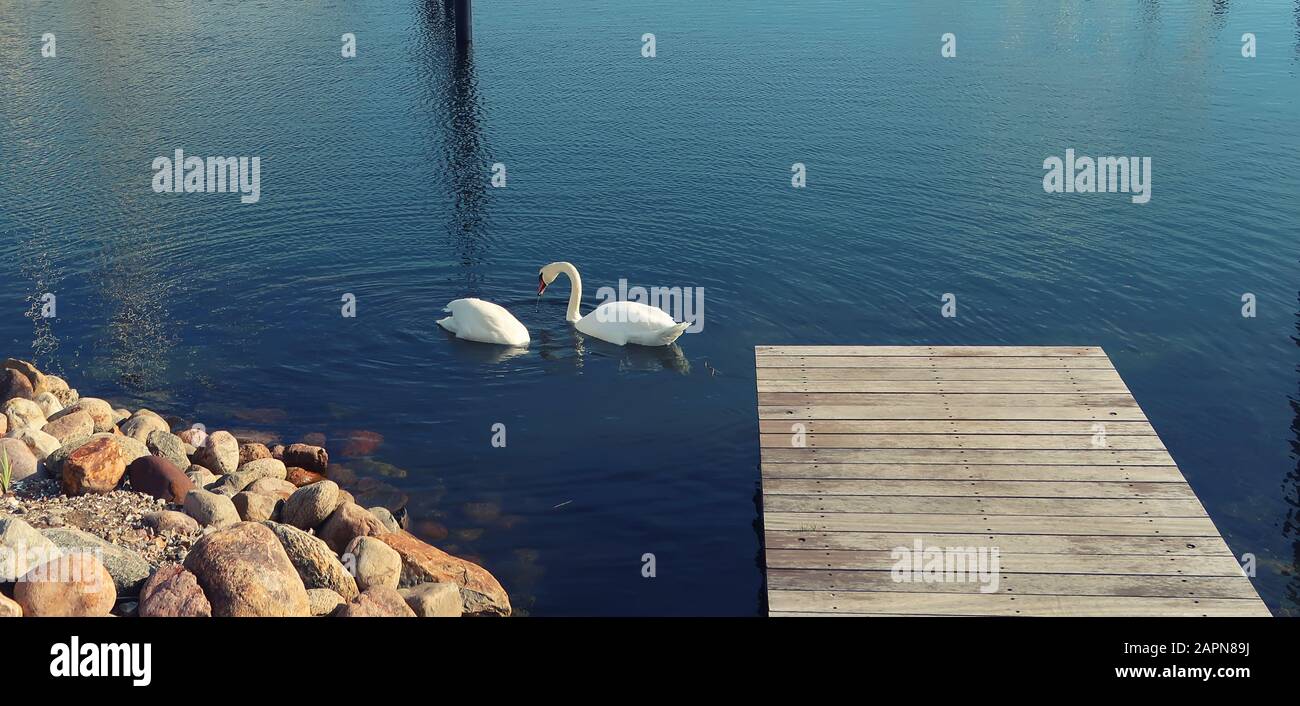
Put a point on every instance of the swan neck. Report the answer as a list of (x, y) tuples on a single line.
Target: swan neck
[(575, 292)]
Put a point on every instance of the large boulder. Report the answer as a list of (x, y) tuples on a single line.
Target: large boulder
[(274, 487), (310, 505), (377, 602), (373, 563), (15, 385), (219, 453), (67, 427), (433, 600), (173, 592), (346, 523), (244, 571), (252, 451), (22, 413), (156, 476), (301, 476), (165, 444), (255, 507), (141, 424), (100, 412), (312, 458), (35, 377), (21, 548), (128, 569), (201, 476), (23, 464), (48, 403), (38, 442), (96, 466), (73, 585), (316, 565), (211, 509), (232, 483), (480, 592), (170, 521)]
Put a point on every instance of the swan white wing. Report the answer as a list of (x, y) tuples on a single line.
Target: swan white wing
[(484, 322), (621, 323)]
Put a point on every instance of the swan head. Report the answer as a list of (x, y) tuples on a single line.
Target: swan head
[(548, 274)]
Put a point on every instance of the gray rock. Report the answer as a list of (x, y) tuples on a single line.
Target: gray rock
[(165, 444), (128, 569), (21, 548), (311, 504), (373, 563), (321, 601), (219, 453), (232, 483), (48, 403), (170, 520), (201, 476), (433, 600), (211, 509), (37, 441), (386, 517), (316, 563), (142, 424), (23, 413), (131, 448)]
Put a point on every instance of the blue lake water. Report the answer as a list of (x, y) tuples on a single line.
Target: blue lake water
[(924, 177)]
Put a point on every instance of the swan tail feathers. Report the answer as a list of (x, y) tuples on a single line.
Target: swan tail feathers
[(448, 323), (672, 334)]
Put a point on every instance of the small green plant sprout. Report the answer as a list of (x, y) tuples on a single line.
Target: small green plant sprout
[(6, 473)]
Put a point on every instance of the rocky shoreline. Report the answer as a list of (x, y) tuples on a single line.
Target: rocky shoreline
[(114, 512)]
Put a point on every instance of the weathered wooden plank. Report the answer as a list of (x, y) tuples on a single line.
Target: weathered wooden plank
[(995, 524), (796, 438), (773, 361), (947, 373), (1075, 457), (936, 471), (946, 387), (921, 504), (1020, 584), (835, 548), (955, 401), (841, 561), (866, 449), (940, 412), (1000, 604), (976, 488), (946, 351), (954, 426)]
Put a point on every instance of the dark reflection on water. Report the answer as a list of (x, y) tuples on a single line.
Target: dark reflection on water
[(1291, 490)]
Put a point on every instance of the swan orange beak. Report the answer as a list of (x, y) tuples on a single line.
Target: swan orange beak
[(541, 285)]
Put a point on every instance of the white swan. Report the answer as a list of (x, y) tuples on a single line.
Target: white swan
[(485, 322), (619, 323)]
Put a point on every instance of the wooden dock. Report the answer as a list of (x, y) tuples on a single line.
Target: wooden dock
[(870, 453)]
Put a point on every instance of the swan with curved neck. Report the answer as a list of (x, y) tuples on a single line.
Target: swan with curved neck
[(616, 322)]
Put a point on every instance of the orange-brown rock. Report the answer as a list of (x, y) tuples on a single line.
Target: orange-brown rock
[(301, 476), (94, 467), (481, 593), (244, 571), (73, 585)]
